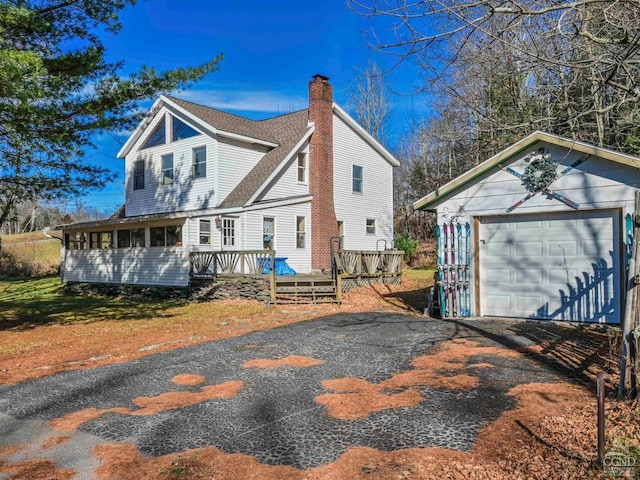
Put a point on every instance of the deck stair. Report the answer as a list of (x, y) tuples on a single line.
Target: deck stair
[(302, 289)]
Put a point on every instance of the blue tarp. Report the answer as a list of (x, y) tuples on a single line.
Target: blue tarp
[(281, 267)]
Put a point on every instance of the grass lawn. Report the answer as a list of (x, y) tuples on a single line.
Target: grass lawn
[(29, 237), (27, 303), (43, 330), (29, 254)]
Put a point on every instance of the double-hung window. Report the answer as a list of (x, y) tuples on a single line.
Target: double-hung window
[(302, 168), (137, 237), (138, 175), (124, 238), (156, 236), (200, 162), (205, 232), (371, 226), (101, 240), (106, 239), (268, 233), (357, 179), (94, 240), (174, 236), (301, 232), (167, 169)]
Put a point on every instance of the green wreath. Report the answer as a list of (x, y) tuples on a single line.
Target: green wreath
[(540, 175)]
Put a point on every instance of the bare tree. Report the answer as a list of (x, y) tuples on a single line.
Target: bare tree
[(369, 101), (571, 67)]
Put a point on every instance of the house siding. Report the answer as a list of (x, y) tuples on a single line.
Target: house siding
[(193, 229), (166, 266), (594, 184), (286, 184), (375, 201), (185, 193), (235, 161), (285, 237)]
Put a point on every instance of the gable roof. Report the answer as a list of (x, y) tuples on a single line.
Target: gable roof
[(284, 134), (497, 160), (214, 121), (227, 122), (291, 130)]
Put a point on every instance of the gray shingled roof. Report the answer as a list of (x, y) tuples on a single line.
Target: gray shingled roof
[(227, 122), (289, 130)]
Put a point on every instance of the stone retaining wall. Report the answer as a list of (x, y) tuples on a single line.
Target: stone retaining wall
[(241, 287), (203, 290)]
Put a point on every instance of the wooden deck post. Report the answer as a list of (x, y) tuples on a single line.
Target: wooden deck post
[(272, 276), (339, 288)]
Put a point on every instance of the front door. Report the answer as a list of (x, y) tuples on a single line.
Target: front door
[(230, 239)]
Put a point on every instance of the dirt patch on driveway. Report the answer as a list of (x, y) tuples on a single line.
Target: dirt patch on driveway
[(522, 443), (151, 405), (53, 441), (36, 470), (188, 379), (297, 361), (355, 398)]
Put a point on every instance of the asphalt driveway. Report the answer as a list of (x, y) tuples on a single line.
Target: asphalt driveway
[(273, 410)]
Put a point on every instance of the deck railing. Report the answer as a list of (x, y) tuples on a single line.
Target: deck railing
[(230, 262), (368, 262)]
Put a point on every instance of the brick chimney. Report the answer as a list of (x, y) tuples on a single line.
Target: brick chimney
[(324, 225)]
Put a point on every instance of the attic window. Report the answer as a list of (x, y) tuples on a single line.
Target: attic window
[(181, 130), (157, 137)]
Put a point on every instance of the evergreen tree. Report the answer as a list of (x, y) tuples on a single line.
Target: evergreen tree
[(57, 91)]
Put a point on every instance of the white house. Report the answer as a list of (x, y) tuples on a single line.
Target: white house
[(550, 228), (199, 179)]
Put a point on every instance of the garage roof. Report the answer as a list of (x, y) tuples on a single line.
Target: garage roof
[(431, 200)]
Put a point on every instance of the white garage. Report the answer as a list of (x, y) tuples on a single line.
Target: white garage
[(550, 231)]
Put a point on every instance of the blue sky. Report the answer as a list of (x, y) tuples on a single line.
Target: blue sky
[(271, 49)]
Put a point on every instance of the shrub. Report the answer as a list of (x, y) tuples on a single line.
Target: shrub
[(403, 241)]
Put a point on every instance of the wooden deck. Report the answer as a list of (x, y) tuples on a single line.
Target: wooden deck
[(351, 269)]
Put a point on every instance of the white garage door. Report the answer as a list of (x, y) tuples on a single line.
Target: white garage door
[(551, 266)]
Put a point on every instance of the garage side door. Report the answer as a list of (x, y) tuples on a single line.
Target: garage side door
[(560, 266)]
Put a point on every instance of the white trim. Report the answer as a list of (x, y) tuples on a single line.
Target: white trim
[(157, 217), (151, 114), (210, 129), (344, 116), (460, 182), (245, 139), (280, 167), (305, 156), (273, 236), (213, 130)]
